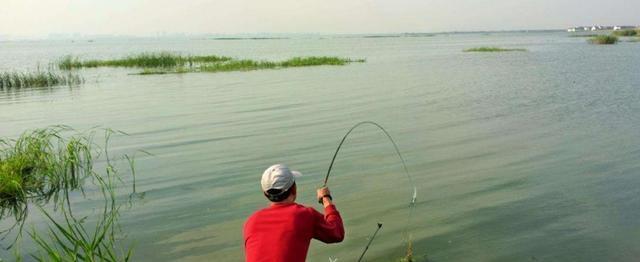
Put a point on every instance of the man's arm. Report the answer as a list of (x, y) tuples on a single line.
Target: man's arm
[(328, 228)]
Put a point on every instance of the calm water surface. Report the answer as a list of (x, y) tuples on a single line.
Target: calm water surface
[(519, 156)]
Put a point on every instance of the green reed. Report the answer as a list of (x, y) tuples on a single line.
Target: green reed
[(583, 35), (494, 49), (162, 59), (18, 80), (39, 166), (248, 65), (42, 167), (603, 40), (69, 239)]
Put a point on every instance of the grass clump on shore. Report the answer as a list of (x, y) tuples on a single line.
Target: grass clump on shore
[(494, 49), (163, 59), (626, 32), (18, 80), (603, 40)]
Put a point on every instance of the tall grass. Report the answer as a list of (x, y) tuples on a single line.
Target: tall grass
[(69, 239), (494, 49), (39, 166), (163, 59), (18, 80), (42, 167), (603, 40)]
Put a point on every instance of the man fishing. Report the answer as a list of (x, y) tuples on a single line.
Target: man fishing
[(282, 232)]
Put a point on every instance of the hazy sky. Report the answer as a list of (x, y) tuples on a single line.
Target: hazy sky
[(148, 17)]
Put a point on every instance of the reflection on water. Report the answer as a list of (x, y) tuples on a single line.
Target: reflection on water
[(516, 156)]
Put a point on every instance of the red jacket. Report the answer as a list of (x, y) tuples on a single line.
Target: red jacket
[(282, 232)]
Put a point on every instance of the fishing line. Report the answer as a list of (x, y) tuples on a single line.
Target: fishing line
[(404, 166)]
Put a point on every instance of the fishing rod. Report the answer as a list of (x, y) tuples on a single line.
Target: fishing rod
[(395, 146), (370, 240), (404, 166)]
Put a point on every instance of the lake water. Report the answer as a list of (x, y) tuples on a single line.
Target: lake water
[(516, 156)]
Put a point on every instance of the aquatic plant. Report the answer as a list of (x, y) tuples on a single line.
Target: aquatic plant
[(42, 167), (245, 65), (381, 36), (494, 49), (163, 71), (603, 40), (39, 166), (70, 240), (248, 65), (248, 38), (625, 32), (238, 65), (162, 59), (583, 35), (18, 80), (317, 60)]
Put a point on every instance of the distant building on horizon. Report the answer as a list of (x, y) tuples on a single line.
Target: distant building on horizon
[(623, 27), (599, 28)]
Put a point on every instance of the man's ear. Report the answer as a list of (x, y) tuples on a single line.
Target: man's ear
[(294, 189)]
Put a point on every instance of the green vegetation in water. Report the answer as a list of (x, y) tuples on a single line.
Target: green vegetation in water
[(248, 38), (18, 80), (39, 166), (418, 35), (626, 32), (584, 35), (163, 59), (42, 166), (381, 36), (494, 49), (167, 63), (70, 239), (247, 65), (603, 40)]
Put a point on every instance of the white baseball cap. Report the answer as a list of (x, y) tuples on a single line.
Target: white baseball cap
[(278, 176)]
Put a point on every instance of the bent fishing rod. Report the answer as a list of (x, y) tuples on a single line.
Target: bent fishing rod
[(395, 146), (406, 171)]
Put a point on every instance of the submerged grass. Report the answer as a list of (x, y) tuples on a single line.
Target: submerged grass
[(603, 40), (18, 80), (494, 49), (163, 59)]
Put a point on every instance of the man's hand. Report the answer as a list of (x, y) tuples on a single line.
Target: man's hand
[(324, 196)]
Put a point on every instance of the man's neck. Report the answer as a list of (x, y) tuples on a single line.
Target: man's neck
[(289, 200)]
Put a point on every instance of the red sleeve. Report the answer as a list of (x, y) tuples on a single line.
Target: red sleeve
[(328, 228)]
